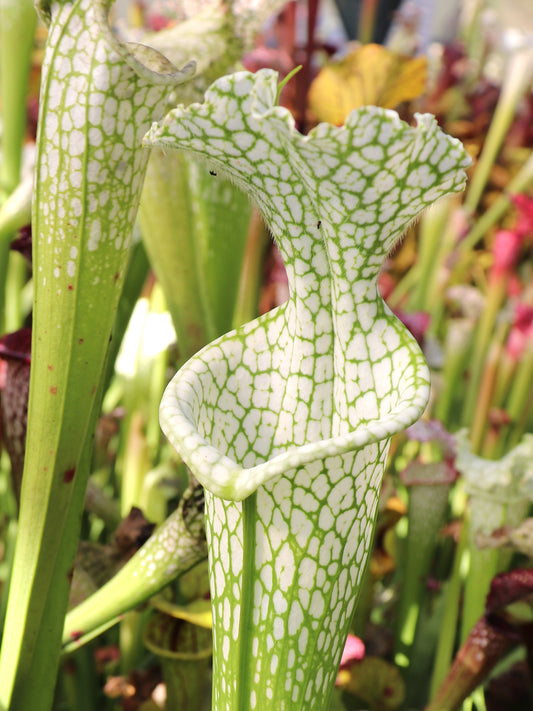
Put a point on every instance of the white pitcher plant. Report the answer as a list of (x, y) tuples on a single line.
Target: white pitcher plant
[(287, 421)]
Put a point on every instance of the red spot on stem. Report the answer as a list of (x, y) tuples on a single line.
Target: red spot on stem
[(53, 390), (68, 476)]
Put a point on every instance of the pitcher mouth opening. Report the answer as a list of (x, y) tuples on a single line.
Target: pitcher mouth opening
[(226, 463)]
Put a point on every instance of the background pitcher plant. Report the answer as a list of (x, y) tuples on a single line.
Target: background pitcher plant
[(287, 420)]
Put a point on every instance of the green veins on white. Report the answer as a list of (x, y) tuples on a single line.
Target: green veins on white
[(286, 421)]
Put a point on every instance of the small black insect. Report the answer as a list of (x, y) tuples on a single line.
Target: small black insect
[(212, 172), (319, 224)]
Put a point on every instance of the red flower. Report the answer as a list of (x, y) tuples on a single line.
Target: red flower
[(524, 205)]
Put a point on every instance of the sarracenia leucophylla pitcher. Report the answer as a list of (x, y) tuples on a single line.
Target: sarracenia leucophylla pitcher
[(287, 420)]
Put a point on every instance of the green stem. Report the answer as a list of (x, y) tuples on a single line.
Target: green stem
[(16, 210), (194, 228), (521, 181), (157, 383), (167, 228), (17, 276), (472, 28), (430, 253), (516, 82), (9, 551), (17, 28), (495, 297), (4, 270), (100, 504), (487, 385), (457, 350), (154, 501), (131, 627), (448, 635), (482, 567), (135, 464), (428, 631), (428, 502), (520, 403), (80, 680)]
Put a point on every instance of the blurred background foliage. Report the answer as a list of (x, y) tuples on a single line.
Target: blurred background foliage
[(445, 616)]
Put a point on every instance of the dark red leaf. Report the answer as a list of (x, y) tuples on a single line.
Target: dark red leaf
[(15, 353), (22, 243), (508, 588)]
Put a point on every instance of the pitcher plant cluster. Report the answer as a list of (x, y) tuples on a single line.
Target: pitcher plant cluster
[(159, 166)]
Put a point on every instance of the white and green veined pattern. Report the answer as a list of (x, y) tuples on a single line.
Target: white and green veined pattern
[(287, 420), (97, 100)]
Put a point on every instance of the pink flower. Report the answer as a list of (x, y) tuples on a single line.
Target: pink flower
[(354, 651), (521, 331), (506, 251), (417, 323)]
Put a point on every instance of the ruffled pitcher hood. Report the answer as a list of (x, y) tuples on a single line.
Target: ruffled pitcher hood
[(332, 369)]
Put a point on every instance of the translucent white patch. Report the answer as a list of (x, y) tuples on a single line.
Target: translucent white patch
[(95, 235), (278, 628), (302, 640), (76, 143), (53, 162), (95, 137), (296, 620)]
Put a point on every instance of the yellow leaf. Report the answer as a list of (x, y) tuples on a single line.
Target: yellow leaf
[(370, 75), (197, 612)]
